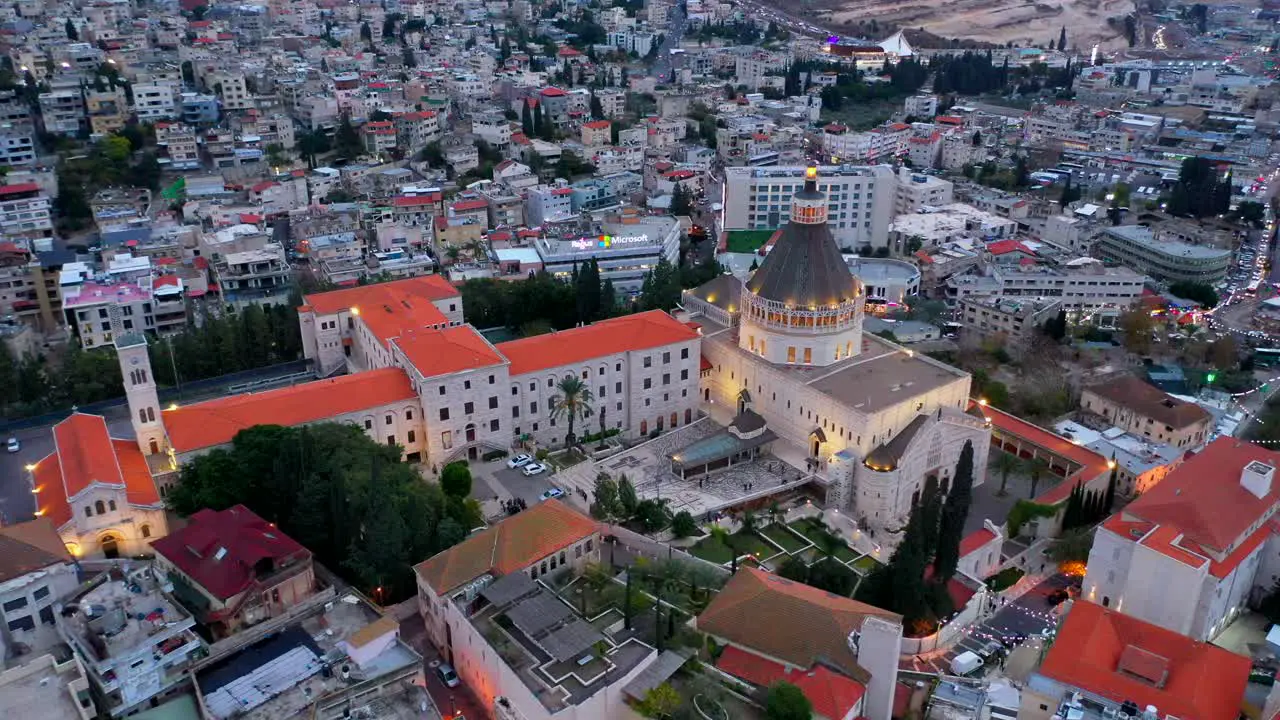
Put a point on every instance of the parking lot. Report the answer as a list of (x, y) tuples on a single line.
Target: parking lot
[(496, 479)]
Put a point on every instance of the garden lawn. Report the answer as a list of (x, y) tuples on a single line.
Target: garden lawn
[(865, 564), (807, 527), (712, 550), (746, 241), (845, 555), (786, 539)]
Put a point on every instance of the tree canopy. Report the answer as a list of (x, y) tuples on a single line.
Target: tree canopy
[(361, 510)]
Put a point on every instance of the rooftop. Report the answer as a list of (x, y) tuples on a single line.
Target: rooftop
[(509, 546), (47, 690), (1150, 401), (1142, 236), (216, 422), (84, 455), (225, 551), (640, 331), (1121, 658), (345, 642), (30, 546), (450, 350), (118, 614), (428, 287)]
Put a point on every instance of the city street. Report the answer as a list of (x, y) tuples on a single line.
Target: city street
[(452, 702)]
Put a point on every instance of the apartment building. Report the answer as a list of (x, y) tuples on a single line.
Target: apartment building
[(860, 200), (37, 570), (916, 191), (25, 212), (254, 275), (62, 110), (155, 102), (1084, 286), (1147, 411), (1166, 260), (1015, 321)]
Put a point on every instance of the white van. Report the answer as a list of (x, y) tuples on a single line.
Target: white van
[(966, 663)]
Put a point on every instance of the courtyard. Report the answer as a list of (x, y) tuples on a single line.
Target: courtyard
[(768, 542), (989, 504)]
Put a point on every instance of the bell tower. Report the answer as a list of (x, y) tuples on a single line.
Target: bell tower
[(140, 391)]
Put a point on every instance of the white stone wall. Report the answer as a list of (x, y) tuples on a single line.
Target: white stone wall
[(446, 400), (879, 645), (126, 523), (779, 347), (39, 589)]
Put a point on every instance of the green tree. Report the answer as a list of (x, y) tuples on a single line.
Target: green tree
[(347, 140), (606, 506), (526, 120), (366, 33), (597, 110), (1072, 546), (954, 514), (1198, 292), (628, 501), (786, 702), (573, 402), (681, 202), (1035, 467), (683, 525), (661, 288), (72, 34), (660, 702), (455, 479)]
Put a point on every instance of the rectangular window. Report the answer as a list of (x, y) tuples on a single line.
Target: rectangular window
[(388, 420), (684, 353), (533, 408), (648, 361), (26, 622), (684, 374), (41, 593), (446, 439), (493, 425), (648, 383), (368, 424), (666, 378), (444, 413), (468, 408), (391, 439), (408, 414), (666, 358), (16, 604), (466, 384), (493, 403), (411, 437), (442, 390)]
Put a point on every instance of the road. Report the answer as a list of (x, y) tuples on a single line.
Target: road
[(666, 61), (452, 702), (1029, 615)]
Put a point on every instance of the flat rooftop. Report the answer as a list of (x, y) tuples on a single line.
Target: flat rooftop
[(40, 689), (118, 615), (283, 675), (879, 377)]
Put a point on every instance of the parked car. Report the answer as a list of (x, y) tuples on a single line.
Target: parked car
[(533, 468), (966, 663), (447, 675), (1059, 596), (554, 492), (519, 461), (991, 648), (12, 445)]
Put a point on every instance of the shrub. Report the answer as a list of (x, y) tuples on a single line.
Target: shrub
[(494, 455), (542, 454)]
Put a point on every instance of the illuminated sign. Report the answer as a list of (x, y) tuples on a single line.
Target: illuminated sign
[(607, 241)]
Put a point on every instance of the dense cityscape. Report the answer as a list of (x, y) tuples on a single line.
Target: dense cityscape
[(619, 359)]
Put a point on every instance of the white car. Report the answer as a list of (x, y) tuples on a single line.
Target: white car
[(448, 676), (12, 445), (554, 492), (519, 461), (533, 468)]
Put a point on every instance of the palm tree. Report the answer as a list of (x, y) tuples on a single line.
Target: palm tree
[(749, 523), (1035, 468), (1006, 464), (574, 402), (476, 248), (453, 252)]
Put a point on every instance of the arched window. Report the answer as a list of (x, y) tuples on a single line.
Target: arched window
[(111, 505), (99, 507), (146, 531), (88, 511)]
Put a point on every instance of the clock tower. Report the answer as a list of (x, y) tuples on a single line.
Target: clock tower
[(140, 391)]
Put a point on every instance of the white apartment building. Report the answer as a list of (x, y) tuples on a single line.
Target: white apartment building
[(45, 572), (25, 212), (860, 200), (231, 89), (548, 203), (917, 190), (153, 102), (1191, 552), (17, 146), (1086, 286)]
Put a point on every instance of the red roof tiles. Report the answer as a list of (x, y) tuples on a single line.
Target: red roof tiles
[(428, 287), (216, 422), (221, 550), (439, 352), (1122, 658), (631, 332)]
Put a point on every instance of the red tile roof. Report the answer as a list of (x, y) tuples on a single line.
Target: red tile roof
[(1203, 498), (465, 205), (631, 332), (509, 546), (416, 200), (220, 550), (597, 125), (428, 287), (553, 92), (1118, 657), (1093, 466), (975, 541), (1004, 247), (84, 454), (216, 422), (793, 622), (832, 695), (439, 352), (19, 188)]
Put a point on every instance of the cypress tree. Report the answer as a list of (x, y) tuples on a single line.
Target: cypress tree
[(1062, 38), (954, 514), (526, 120)]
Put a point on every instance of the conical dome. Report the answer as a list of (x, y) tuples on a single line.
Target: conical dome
[(805, 268)]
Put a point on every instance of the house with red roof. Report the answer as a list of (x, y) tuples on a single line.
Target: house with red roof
[(1104, 662), (841, 653), (98, 490), (1192, 551), (234, 569)]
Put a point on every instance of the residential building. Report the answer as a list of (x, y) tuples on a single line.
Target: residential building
[(932, 225), (253, 274), (36, 570), (1148, 412), (488, 581), (155, 102), (1105, 663), (842, 654), (234, 569), (1141, 463), (548, 203), (596, 133), (1016, 321), (1084, 286), (47, 689), (25, 212), (17, 146), (344, 657), (379, 137), (107, 110), (916, 191), (1165, 260), (1191, 552), (62, 111), (860, 200)]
